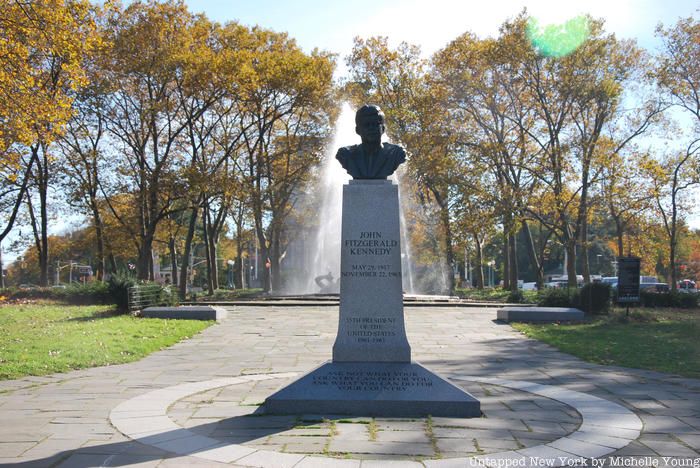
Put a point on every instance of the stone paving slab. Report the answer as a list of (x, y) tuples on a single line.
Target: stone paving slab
[(260, 340)]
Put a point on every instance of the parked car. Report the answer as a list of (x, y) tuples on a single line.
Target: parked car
[(654, 287), (687, 286)]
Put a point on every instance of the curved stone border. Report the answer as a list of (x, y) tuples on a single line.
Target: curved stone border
[(605, 428)]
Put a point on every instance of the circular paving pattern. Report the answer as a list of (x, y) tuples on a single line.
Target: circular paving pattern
[(214, 420)]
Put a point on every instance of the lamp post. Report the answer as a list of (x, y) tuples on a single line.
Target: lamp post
[(230, 264)]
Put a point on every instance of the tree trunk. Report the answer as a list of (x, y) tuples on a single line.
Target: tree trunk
[(238, 274), (40, 229), (207, 249), (620, 233), (144, 259), (449, 253), (184, 269), (585, 266), (214, 263), (479, 267), (151, 263), (571, 262), (2, 270), (275, 261), (672, 260), (172, 248), (112, 262), (513, 258), (532, 255), (99, 238), (20, 196), (44, 252), (506, 258), (262, 263)]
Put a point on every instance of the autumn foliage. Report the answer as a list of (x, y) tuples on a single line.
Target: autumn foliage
[(180, 140)]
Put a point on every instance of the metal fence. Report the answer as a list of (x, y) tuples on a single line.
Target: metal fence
[(147, 295)]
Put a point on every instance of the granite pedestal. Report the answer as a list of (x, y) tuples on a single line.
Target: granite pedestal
[(540, 314), (371, 373), (185, 313)]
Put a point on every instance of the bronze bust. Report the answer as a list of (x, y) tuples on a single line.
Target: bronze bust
[(371, 159)]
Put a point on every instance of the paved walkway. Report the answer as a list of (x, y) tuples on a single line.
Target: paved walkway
[(64, 419)]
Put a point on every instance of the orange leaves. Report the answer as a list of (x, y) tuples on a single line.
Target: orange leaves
[(43, 45)]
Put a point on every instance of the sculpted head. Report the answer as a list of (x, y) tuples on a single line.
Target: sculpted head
[(369, 124)]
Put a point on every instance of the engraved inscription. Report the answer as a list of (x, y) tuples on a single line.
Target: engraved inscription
[(370, 329), (371, 271), (391, 381), (364, 251), (371, 243)]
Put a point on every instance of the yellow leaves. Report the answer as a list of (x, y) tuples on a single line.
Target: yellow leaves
[(678, 70), (43, 46)]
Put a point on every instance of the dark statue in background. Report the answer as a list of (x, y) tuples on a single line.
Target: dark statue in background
[(371, 159)]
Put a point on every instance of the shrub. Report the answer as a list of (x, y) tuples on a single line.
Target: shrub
[(94, 292), (654, 299), (668, 299), (38, 293), (118, 287), (684, 300), (558, 297), (154, 294), (516, 297), (594, 298)]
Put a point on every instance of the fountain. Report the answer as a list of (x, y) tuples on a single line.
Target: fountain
[(321, 247), (324, 260), (372, 372)]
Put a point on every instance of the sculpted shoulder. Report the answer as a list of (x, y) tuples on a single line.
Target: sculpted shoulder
[(345, 152), (397, 152)]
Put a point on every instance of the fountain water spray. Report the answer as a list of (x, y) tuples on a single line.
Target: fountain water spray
[(321, 247), (323, 255)]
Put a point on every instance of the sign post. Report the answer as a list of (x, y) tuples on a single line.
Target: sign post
[(628, 271)]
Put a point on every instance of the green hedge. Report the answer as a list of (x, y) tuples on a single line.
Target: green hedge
[(558, 297), (594, 298), (669, 299), (118, 285), (95, 292), (516, 297)]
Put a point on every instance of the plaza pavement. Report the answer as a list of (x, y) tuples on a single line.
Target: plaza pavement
[(216, 379)]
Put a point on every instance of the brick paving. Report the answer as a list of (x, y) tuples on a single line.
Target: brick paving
[(222, 414), (64, 419)]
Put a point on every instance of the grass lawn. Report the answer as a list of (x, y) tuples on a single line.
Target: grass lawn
[(43, 338), (666, 340)]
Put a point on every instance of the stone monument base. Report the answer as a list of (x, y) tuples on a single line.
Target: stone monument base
[(373, 389)]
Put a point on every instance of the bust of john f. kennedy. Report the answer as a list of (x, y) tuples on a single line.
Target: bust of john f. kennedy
[(371, 159)]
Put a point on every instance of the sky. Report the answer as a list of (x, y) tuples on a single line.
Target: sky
[(431, 24)]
